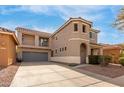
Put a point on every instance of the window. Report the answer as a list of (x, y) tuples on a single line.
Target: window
[(90, 34), (83, 28), (65, 48), (75, 27), (62, 49)]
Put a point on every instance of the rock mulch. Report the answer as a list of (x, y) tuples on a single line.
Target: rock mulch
[(111, 71), (7, 74)]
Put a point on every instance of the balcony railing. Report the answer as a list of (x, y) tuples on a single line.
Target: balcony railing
[(44, 44)]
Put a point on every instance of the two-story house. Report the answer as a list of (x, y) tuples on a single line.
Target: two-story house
[(71, 43)]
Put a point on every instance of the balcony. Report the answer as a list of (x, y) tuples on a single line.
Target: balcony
[(43, 42)]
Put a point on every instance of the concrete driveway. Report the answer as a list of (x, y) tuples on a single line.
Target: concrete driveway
[(49, 74)]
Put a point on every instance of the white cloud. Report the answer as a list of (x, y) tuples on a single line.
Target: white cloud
[(37, 9), (6, 10), (88, 12), (114, 37), (9, 25), (44, 29), (12, 25)]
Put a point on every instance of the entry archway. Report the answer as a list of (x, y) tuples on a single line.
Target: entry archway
[(83, 53)]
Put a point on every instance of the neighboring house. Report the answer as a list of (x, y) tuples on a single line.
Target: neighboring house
[(113, 51), (71, 43), (8, 42)]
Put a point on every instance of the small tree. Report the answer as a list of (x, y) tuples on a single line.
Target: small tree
[(119, 22)]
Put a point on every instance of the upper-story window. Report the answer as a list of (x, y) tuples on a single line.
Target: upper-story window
[(65, 48), (75, 27), (43, 42), (84, 28), (60, 49), (91, 35)]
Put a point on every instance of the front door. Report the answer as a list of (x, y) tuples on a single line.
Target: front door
[(83, 53)]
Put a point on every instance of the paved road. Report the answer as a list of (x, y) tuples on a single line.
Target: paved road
[(49, 74)]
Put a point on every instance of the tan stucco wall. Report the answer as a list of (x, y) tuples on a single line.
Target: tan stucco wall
[(3, 49), (94, 37), (7, 50), (12, 51), (114, 53), (67, 37), (66, 59)]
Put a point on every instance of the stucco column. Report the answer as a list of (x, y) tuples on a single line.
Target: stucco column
[(36, 40), (88, 53), (101, 51), (19, 34), (19, 53)]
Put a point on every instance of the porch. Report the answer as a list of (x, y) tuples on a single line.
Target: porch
[(96, 49)]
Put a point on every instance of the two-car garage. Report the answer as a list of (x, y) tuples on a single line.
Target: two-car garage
[(28, 56)]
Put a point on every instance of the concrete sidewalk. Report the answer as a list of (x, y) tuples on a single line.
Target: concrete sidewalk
[(49, 74)]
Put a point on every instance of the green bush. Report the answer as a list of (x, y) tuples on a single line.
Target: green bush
[(99, 59), (122, 55), (95, 59), (121, 61)]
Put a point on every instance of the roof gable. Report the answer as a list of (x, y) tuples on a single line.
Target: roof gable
[(70, 20), (9, 32)]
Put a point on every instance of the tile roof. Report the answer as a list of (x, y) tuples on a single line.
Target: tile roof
[(45, 34), (10, 32), (6, 30), (112, 47)]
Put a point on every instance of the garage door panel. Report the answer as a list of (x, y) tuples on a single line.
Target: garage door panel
[(34, 56)]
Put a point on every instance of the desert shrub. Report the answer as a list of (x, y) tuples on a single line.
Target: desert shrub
[(121, 61), (122, 55), (106, 60)]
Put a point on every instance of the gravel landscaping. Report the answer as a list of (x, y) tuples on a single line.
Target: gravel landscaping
[(111, 71), (7, 74)]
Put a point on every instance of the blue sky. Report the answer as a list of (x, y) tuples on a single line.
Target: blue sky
[(50, 18)]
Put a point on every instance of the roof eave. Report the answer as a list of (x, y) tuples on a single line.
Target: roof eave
[(13, 35)]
